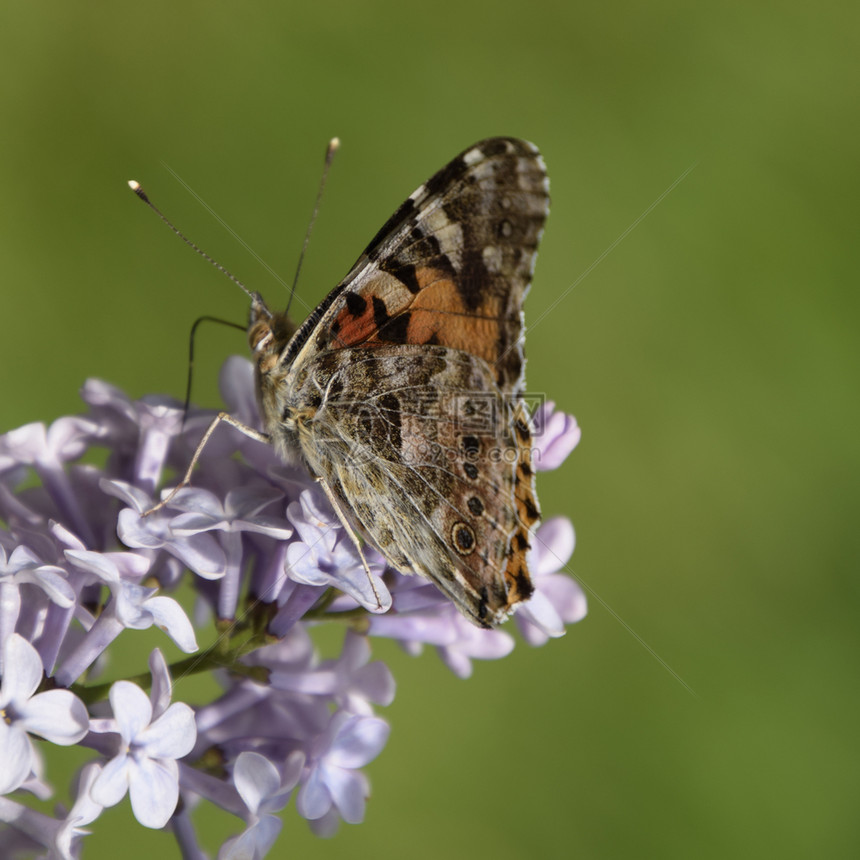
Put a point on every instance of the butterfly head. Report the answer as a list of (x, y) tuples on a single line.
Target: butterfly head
[(268, 334)]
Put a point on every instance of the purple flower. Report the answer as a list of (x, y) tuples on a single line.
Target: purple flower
[(263, 792), (236, 383), (25, 566), (47, 450), (60, 835), (257, 715), (56, 715), (132, 607), (332, 780), (326, 556), (150, 741), (425, 617), (199, 551), (22, 567), (240, 512), (34, 830), (140, 431), (556, 434), (84, 811), (473, 643), (351, 681), (256, 541)]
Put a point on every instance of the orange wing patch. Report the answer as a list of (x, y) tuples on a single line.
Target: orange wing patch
[(433, 312)]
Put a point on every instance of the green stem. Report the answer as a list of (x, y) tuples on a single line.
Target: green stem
[(223, 654), (233, 644)]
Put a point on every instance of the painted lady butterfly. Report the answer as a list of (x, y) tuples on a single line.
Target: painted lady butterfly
[(402, 392)]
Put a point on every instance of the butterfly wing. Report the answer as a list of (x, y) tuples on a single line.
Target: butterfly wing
[(403, 386), (431, 461), (451, 267)]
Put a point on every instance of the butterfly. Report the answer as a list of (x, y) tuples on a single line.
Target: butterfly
[(402, 392)]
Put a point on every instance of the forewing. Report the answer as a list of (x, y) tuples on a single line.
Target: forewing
[(451, 267)]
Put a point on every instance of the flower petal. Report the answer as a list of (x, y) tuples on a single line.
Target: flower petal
[(314, 799), (359, 741), (135, 531), (111, 784), (566, 595), (172, 735), (171, 618), (540, 612), (57, 715), (95, 563), (256, 779), (556, 435), (153, 787), (201, 553), (52, 580), (553, 546), (162, 687), (16, 757), (195, 522), (131, 709), (199, 501), (22, 670), (348, 789), (236, 384)]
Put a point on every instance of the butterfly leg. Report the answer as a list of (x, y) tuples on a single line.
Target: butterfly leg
[(227, 418), (352, 535)]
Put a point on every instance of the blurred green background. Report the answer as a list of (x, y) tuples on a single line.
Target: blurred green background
[(711, 358)]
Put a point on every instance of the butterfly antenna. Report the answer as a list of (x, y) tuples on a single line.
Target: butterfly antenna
[(332, 148), (135, 187)]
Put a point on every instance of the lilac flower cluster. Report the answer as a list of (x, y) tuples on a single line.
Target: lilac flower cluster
[(268, 561)]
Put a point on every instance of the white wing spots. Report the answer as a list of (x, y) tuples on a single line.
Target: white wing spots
[(448, 233), (493, 259), (483, 171), (473, 156), (436, 221), (542, 167), (451, 237), (526, 176)]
